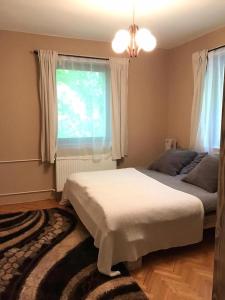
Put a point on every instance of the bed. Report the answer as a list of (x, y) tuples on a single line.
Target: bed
[(131, 212), (209, 200)]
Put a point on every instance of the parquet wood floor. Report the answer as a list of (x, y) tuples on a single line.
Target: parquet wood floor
[(177, 274)]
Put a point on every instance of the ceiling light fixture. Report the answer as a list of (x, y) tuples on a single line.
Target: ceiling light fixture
[(133, 40)]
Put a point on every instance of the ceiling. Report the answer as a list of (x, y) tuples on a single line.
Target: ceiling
[(173, 22)]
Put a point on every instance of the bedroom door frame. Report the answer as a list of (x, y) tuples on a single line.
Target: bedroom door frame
[(219, 260)]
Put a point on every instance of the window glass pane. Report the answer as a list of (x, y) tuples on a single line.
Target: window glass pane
[(82, 104), (210, 120)]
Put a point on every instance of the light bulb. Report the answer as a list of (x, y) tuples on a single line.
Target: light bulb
[(121, 41), (145, 39)]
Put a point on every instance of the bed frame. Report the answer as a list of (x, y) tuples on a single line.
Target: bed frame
[(209, 222)]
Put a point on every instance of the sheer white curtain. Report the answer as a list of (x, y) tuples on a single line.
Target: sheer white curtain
[(119, 95), (84, 116), (47, 93), (208, 135), (199, 63)]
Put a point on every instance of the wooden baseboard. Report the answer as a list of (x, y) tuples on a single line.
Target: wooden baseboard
[(26, 198), (31, 205)]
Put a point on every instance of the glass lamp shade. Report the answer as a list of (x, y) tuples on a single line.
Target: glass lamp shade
[(145, 39), (121, 41)]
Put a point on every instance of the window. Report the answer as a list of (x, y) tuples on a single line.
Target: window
[(210, 120), (83, 105)]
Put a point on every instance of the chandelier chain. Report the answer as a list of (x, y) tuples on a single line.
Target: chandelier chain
[(133, 10)]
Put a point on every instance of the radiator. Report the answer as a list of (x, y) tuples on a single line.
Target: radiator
[(68, 165)]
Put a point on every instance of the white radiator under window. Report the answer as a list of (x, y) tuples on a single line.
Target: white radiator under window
[(65, 166)]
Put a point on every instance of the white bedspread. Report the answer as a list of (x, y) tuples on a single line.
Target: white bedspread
[(130, 214)]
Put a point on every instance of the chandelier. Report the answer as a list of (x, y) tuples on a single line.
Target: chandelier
[(133, 40)]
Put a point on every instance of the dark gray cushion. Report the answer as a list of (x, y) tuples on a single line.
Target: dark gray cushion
[(205, 175), (193, 163), (172, 161)]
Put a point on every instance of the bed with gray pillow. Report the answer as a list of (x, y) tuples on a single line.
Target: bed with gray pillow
[(190, 172), (120, 207)]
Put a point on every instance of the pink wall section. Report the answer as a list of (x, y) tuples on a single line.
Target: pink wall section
[(180, 84), (159, 104), (20, 111)]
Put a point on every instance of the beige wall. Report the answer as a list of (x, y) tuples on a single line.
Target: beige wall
[(180, 83), (20, 112), (160, 99)]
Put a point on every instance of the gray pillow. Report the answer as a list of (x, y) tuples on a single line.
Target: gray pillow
[(172, 161), (194, 163), (205, 175)]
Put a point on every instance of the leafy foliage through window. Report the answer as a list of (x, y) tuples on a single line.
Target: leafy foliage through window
[(81, 104)]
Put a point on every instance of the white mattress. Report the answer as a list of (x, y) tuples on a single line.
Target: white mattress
[(130, 214)]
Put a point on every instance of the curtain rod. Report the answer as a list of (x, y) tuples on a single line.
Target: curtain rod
[(217, 48), (81, 56)]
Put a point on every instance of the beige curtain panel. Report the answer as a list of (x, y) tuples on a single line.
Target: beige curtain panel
[(199, 62), (219, 265), (119, 95), (48, 101)]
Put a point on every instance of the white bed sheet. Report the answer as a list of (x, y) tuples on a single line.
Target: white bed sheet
[(130, 214)]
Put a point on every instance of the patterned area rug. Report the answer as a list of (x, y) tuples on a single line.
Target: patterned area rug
[(48, 255)]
